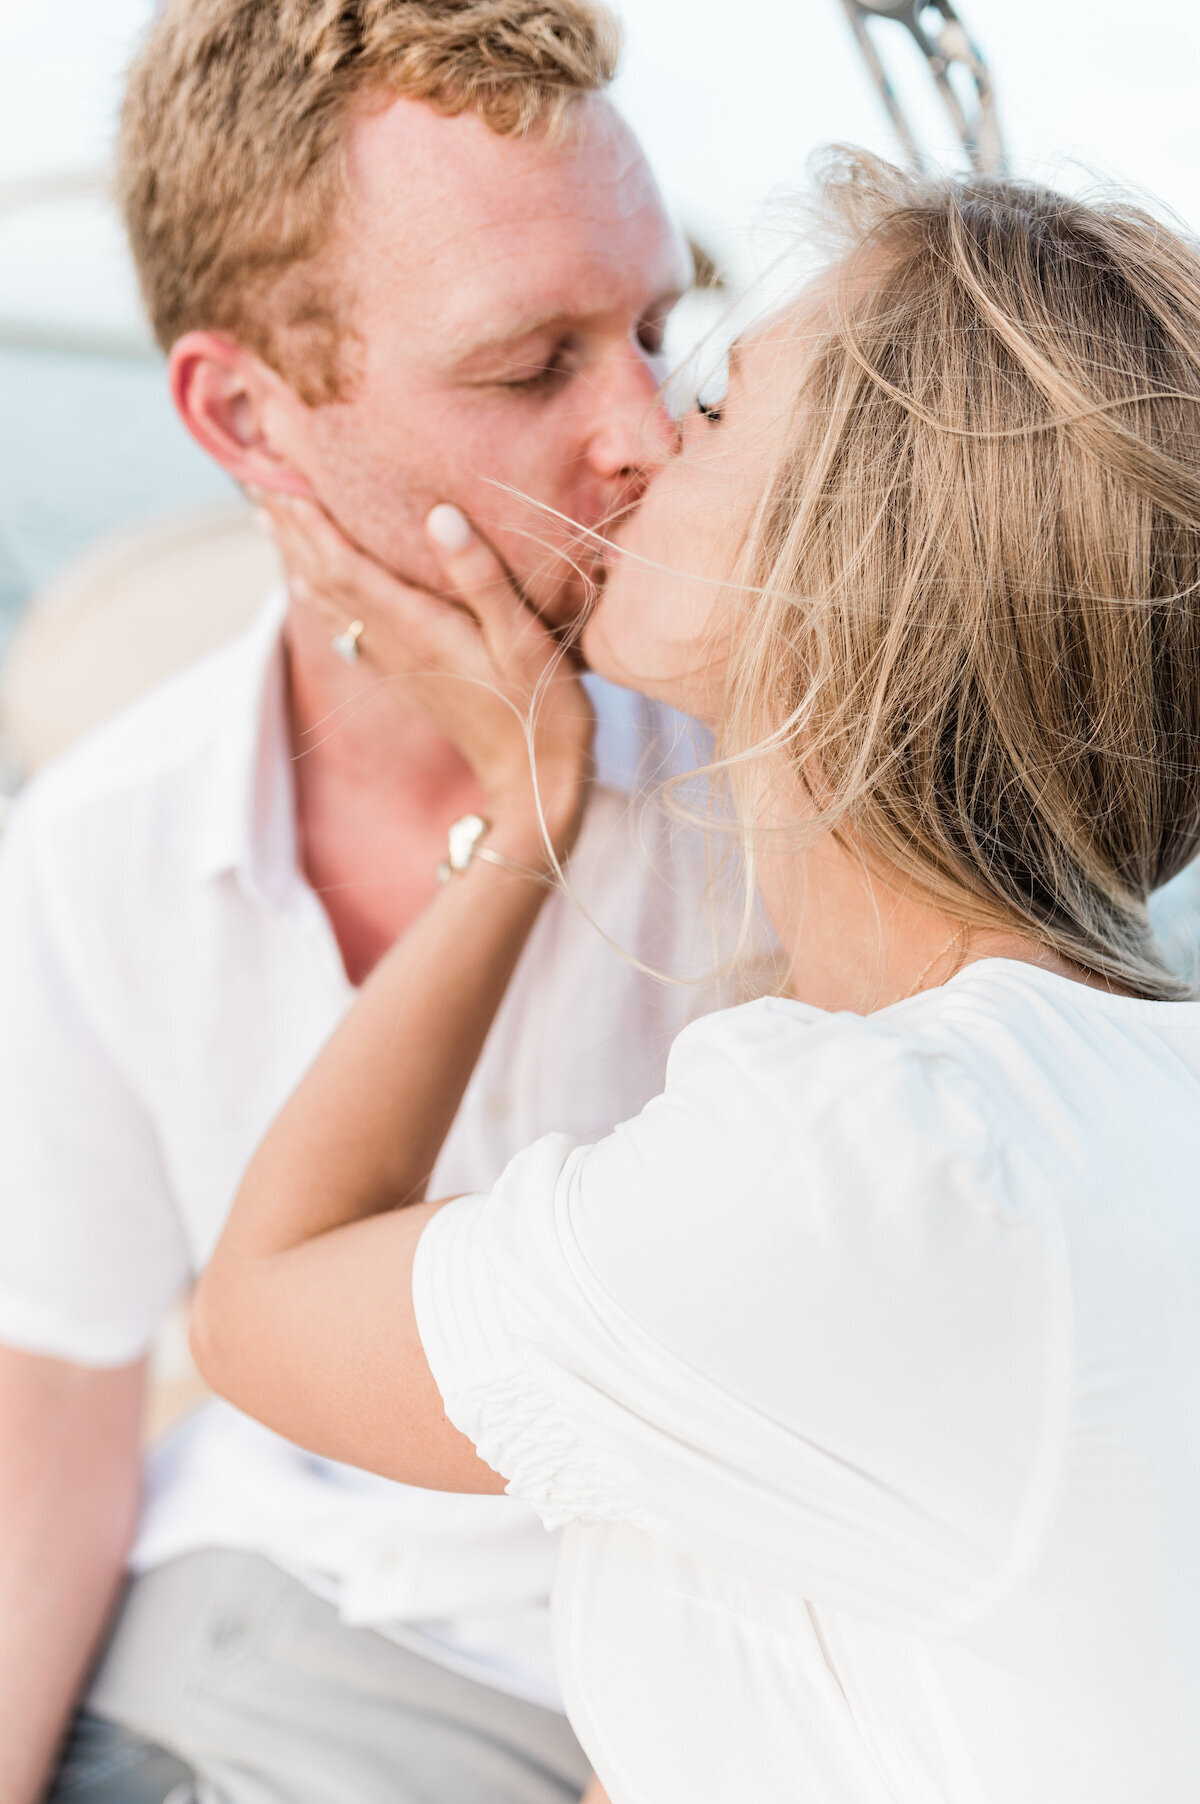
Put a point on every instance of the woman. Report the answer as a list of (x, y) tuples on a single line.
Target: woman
[(863, 1368)]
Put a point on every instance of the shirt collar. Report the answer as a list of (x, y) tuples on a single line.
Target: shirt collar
[(247, 812)]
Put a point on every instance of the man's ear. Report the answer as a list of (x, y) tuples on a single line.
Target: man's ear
[(237, 409)]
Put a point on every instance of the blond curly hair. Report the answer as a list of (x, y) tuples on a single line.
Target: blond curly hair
[(230, 156)]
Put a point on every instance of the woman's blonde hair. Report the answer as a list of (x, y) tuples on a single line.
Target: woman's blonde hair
[(973, 586)]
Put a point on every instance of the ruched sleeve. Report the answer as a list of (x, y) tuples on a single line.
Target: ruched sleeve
[(790, 1319)]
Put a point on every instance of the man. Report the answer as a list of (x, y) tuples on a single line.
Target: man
[(400, 253)]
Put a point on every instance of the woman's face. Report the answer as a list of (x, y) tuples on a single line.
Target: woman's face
[(665, 615)]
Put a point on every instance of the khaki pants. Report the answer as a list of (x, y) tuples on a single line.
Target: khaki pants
[(226, 1682)]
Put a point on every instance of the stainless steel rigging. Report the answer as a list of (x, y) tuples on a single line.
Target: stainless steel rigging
[(956, 63)]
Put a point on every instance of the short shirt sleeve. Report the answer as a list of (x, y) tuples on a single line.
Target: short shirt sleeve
[(91, 1251), (789, 1319)]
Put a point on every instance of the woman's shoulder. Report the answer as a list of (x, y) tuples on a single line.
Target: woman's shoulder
[(842, 1101), (987, 1017), (811, 1057), (1005, 1063), (793, 1108)]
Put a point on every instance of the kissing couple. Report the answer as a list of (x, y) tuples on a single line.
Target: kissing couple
[(848, 1336)]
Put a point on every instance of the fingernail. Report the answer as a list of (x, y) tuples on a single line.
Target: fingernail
[(264, 522), (300, 589), (449, 528)]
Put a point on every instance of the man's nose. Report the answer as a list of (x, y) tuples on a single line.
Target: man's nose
[(633, 433)]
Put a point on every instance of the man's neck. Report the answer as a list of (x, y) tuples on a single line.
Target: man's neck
[(376, 788)]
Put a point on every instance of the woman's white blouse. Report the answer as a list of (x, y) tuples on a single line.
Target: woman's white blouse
[(863, 1368)]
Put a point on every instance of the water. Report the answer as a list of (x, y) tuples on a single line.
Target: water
[(86, 445)]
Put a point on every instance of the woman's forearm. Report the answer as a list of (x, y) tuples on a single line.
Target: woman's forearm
[(363, 1131), (304, 1316)]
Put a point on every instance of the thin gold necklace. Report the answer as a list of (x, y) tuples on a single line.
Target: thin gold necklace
[(926, 969)]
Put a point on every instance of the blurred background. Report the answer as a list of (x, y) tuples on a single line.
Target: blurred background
[(730, 101)]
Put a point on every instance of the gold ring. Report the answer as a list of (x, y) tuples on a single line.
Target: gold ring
[(346, 644)]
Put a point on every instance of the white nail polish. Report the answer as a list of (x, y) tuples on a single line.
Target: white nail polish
[(449, 528)]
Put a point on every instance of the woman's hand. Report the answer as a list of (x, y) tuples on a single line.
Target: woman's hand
[(487, 672)]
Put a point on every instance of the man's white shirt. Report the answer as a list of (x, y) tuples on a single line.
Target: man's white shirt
[(166, 976)]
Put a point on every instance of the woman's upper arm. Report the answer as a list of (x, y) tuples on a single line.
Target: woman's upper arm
[(320, 1342)]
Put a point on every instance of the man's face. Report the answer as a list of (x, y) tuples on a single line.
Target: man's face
[(509, 297)]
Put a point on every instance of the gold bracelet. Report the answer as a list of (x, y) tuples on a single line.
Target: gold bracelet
[(463, 846)]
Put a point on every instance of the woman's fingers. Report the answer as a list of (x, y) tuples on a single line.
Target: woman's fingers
[(530, 667), (319, 560), (325, 568), (346, 584), (481, 581), (308, 540), (486, 672)]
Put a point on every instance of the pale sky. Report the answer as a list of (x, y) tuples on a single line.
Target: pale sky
[(730, 100)]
